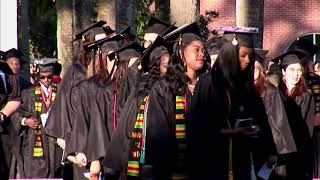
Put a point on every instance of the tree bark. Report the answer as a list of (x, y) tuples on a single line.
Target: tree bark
[(250, 14), (107, 12), (184, 11), (163, 9), (126, 14), (23, 34), (65, 33)]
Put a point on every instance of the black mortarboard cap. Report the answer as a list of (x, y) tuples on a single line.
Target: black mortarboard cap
[(81, 34), (274, 69), (306, 47), (287, 58), (127, 51), (214, 44), (150, 55), (5, 68), (46, 64), (108, 30), (156, 25), (185, 33), (241, 36), (106, 44), (260, 55), (12, 53)]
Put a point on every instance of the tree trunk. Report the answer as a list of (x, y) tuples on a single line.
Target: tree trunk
[(184, 11), (107, 12), (65, 33), (250, 14), (125, 14), (82, 15), (163, 9), (23, 33)]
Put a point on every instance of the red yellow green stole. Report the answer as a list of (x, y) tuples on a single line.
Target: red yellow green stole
[(136, 156), (181, 144), (40, 100)]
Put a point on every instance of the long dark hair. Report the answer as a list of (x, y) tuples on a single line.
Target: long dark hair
[(176, 75), (229, 65), (300, 87), (147, 80)]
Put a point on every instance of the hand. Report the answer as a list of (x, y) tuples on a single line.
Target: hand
[(72, 159), (316, 119), (81, 159), (242, 131), (95, 168), (32, 122), (247, 131), (272, 161), (61, 143)]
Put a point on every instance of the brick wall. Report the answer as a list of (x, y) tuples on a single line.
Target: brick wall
[(226, 9), (284, 20)]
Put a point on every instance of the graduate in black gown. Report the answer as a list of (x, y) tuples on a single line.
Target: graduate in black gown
[(9, 103), (222, 147), (155, 27), (100, 92), (297, 154), (157, 147), (40, 154), (117, 154)]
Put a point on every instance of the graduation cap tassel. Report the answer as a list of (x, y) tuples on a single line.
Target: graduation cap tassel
[(93, 61), (234, 40), (102, 70)]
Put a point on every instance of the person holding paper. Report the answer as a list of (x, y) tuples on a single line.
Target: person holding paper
[(229, 134), (40, 153)]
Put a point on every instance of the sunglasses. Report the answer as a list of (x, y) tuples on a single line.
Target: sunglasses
[(43, 77)]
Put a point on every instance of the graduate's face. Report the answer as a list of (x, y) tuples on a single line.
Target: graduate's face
[(194, 55), (293, 73), (14, 64), (46, 78), (244, 57), (148, 39), (164, 61)]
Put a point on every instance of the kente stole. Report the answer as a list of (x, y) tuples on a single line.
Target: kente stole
[(40, 100)]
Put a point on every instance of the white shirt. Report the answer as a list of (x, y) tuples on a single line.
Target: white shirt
[(3, 76), (46, 90)]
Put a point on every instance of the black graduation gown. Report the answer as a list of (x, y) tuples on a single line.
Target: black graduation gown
[(116, 161), (93, 126), (48, 165), (127, 85), (117, 154), (314, 85), (15, 130), (209, 148), (160, 135), (300, 113), (12, 94), (59, 120)]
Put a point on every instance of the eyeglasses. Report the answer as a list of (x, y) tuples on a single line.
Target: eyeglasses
[(43, 77)]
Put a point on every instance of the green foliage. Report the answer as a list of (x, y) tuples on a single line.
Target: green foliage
[(43, 28), (204, 20), (142, 15)]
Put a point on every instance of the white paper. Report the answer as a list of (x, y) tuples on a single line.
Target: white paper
[(44, 118), (265, 172), (87, 175)]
